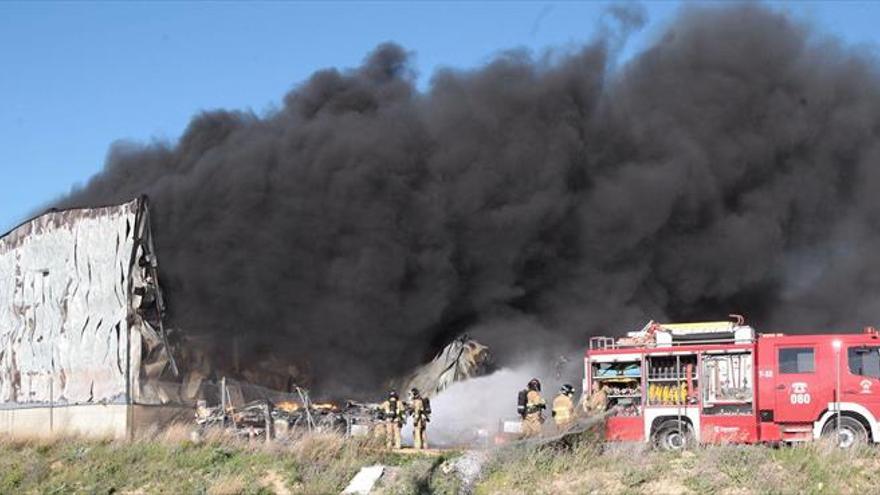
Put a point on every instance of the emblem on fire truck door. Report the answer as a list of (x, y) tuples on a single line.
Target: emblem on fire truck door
[(866, 386), (799, 393)]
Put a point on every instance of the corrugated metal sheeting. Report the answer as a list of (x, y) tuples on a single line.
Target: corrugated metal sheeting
[(78, 291)]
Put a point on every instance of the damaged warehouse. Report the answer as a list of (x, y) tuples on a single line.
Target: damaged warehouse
[(83, 348)]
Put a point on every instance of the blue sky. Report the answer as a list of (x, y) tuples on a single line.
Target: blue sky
[(75, 77)]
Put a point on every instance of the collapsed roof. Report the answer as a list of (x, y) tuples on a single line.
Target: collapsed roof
[(463, 358)]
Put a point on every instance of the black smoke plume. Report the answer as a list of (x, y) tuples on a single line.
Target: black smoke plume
[(733, 166)]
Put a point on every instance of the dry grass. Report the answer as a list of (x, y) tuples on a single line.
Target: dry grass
[(174, 433), (170, 461), (732, 470), (232, 485)]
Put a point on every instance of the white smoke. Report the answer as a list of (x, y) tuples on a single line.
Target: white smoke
[(460, 412)]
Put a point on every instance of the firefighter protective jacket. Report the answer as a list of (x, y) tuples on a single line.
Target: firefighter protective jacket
[(563, 408), (598, 401), (393, 411), (420, 414), (534, 403)]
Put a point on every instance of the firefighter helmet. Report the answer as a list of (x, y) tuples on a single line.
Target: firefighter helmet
[(566, 389), (535, 384), (392, 394), (414, 392)]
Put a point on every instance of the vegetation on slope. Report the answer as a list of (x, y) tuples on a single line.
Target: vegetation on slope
[(316, 464), (323, 464), (729, 469)]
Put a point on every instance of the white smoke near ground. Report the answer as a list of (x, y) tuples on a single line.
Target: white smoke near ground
[(467, 408)]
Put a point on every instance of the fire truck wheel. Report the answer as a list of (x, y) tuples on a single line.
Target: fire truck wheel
[(670, 437), (852, 432)]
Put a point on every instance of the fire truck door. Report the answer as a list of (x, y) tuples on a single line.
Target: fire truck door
[(797, 384), (860, 376)]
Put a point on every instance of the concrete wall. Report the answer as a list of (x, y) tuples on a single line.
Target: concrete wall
[(118, 421)]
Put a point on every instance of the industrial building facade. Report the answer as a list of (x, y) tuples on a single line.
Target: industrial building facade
[(83, 349)]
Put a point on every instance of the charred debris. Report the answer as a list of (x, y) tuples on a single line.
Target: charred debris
[(251, 411)]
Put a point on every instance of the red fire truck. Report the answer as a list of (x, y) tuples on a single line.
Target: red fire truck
[(720, 382)]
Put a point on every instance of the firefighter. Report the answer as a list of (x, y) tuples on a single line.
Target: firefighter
[(393, 416), (563, 408), (598, 401), (534, 410), (420, 408)]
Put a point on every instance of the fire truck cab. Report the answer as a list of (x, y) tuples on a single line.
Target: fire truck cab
[(721, 382)]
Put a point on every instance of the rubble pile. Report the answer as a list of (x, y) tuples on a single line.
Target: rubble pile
[(287, 417), (251, 410), (250, 420)]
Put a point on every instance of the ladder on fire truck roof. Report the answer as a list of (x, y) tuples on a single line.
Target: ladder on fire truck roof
[(677, 334)]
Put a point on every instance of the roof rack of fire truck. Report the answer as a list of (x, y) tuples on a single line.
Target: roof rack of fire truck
[(656, 334)]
